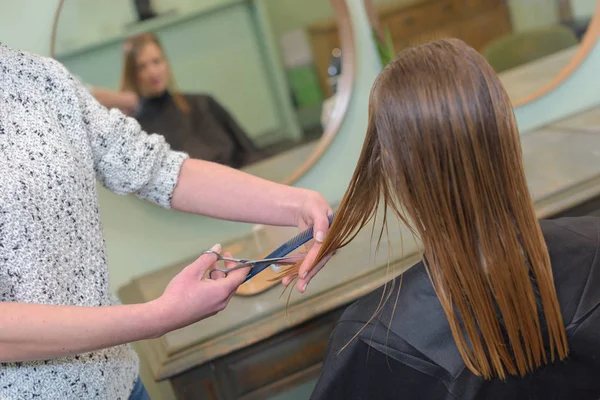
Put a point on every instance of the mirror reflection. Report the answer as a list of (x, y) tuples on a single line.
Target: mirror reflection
[(232, 81), (546, 35), (527, 42)]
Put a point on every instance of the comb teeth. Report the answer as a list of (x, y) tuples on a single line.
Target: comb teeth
[(286, 248), (304, 236)]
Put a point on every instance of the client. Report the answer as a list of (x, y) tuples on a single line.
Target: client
[(503, 306), (194, 123)]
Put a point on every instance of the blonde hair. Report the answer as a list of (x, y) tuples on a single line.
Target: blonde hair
[(442, 151), (130, 50)]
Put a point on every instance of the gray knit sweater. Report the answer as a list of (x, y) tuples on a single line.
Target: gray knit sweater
[(55, 142)]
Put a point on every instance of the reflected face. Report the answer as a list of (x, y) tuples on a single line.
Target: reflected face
[(153, 73)]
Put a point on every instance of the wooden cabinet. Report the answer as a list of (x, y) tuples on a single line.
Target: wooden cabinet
[(470, 8), (477, 22), (415, 21), (264, 369), (411, 22), (481, 29)]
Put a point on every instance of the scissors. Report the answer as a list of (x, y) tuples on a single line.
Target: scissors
[(244, 263)]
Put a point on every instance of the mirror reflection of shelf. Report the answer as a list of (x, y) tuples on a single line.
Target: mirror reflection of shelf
[(73, 40), (163, 17)]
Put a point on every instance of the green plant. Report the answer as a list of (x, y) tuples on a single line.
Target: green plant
[(385, 47)]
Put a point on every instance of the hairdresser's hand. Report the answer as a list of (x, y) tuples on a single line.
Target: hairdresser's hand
[(128, 102), (314, 211), (191, 296)]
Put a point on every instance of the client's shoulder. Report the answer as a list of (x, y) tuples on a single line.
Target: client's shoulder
[(573, 245), (584, 228), (404, 318), (198, 97), (571, 239), (414, 279)]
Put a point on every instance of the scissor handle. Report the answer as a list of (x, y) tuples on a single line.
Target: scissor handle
[(216, 253)]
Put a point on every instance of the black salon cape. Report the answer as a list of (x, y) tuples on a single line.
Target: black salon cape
[(410, 353), (207, 132)]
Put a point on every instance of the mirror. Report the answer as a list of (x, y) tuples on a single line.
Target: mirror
[(256, 85), (529, 43)]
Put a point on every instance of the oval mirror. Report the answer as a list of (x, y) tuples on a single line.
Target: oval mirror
[(258, 85), (532, 44)]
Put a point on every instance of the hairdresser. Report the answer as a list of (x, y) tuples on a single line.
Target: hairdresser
[(195, 123), (62, 335), (502, 306)]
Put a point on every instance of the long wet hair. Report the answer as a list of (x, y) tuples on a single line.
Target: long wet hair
[(442, 152), (130, 49)]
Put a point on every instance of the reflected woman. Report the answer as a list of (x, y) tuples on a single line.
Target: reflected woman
[(503, 306), (194, 123)]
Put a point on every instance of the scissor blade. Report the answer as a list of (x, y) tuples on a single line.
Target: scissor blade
[(293, 259)]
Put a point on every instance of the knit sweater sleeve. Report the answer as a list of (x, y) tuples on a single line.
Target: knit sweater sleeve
[(127, 160)]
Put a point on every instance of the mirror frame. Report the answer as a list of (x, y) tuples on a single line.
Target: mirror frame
[(344, 87), (585, 47)]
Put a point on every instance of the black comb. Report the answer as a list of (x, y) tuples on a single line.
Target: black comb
[(285, 249)]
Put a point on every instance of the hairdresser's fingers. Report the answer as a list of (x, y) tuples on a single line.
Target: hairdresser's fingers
[(303, 282), (319, 220), (288, 279), (309, 260), (302, 226), (321, 226), (216, 274), (235, 277)]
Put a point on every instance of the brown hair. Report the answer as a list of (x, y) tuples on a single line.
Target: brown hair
[(130, 50), (442, 150)]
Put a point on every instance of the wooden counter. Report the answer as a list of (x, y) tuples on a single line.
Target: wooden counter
[(253, 348)]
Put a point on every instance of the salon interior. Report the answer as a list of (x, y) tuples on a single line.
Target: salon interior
[(285, 86)]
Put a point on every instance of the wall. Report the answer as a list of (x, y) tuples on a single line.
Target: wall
[(583, 8), (26, 24)]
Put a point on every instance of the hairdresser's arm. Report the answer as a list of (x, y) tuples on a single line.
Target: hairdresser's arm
[(222, 192), (124, 101), (40, 332), (36, 332), (211, 189)]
